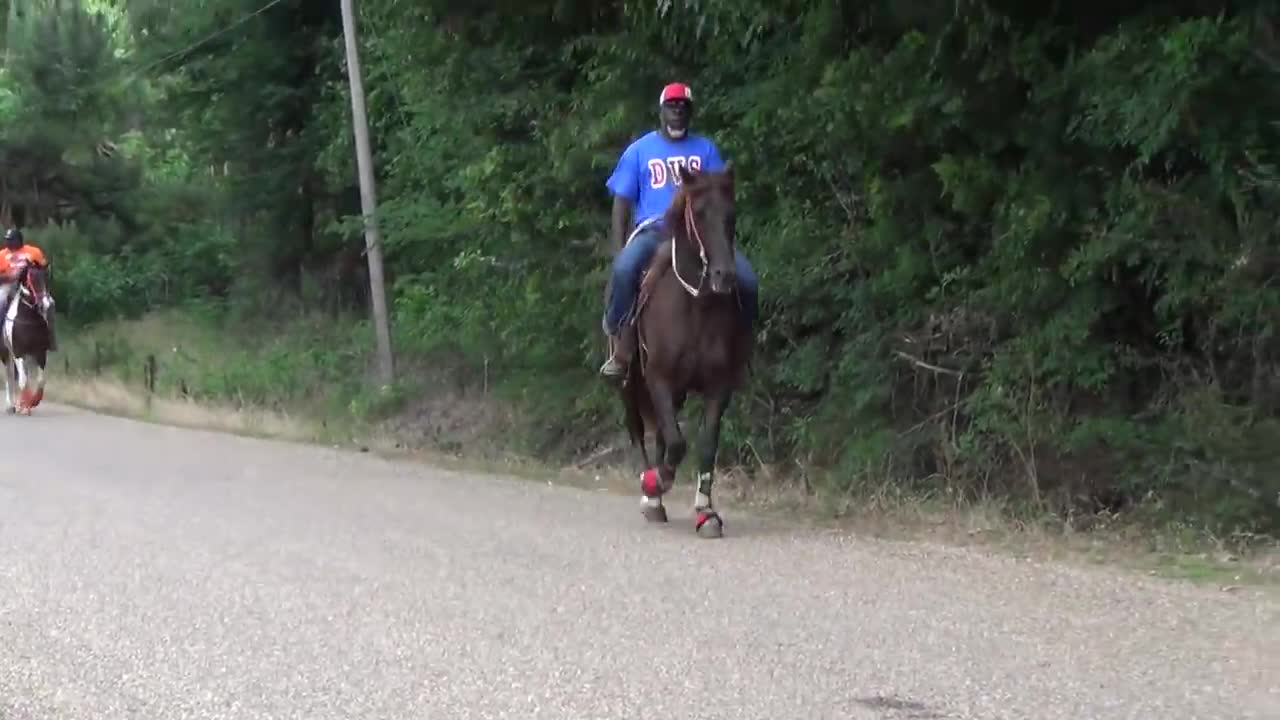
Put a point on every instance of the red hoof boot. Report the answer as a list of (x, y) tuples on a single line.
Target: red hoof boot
[(708, 524), (650, 483)]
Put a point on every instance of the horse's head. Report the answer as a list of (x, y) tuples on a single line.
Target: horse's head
[(33, 279), (37, 282), (702, 217)]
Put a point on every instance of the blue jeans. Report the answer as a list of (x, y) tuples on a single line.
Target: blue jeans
[(635, 257)]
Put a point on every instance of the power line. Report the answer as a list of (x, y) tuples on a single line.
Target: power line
[(136, 72), (213, 36)]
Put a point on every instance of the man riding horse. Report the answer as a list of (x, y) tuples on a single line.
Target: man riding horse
[(14, 257), (645, 181)]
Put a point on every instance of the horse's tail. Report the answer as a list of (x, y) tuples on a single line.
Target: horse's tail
[(633, 397)]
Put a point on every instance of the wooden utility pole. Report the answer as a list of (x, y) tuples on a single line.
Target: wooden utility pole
[(368, 198)]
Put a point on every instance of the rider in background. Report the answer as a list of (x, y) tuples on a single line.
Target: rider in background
[(645, 181), (13, 257)]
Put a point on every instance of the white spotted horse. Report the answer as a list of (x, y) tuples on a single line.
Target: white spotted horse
[(26, 341)]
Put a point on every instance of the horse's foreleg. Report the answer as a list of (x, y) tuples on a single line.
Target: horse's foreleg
[(635, 396), (38, 394), (643, 450), (654, 483), (707, 522), (9, 389), (660, 446), (23, 385), (651, 488), (669, 426)]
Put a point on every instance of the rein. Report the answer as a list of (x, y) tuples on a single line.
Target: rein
[(25, 294), (691, 229)]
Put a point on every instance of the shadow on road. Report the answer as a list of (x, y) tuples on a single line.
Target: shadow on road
[(44, 411)]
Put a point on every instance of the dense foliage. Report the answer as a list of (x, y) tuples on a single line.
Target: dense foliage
[(1004, 248)]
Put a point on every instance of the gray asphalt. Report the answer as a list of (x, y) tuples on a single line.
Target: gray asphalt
[(151, 572)]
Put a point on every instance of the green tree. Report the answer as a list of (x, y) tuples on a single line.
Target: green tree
[(1003, 249)]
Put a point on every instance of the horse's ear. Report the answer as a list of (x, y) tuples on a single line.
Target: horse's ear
[(686, 177)]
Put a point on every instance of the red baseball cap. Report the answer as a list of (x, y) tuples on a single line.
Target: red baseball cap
[(675, 91)]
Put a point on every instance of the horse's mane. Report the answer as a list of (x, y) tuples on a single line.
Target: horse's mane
[(673, 228), (658, 267), (673, 217)]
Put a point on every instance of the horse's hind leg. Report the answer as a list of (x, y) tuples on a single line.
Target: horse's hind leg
[(707, 522)]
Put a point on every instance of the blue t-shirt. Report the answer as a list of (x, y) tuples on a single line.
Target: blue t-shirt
[(647, 171)]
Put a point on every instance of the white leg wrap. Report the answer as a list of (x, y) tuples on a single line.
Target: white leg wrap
[(650, 502), (703, 499)]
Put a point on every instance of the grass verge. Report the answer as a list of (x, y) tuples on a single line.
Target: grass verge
[(305, 382)]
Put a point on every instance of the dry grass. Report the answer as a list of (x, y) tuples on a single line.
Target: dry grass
[(991, 524), (111, 396)]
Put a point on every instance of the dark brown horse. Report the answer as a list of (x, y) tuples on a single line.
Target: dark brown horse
[(25, 346), (691, 339)]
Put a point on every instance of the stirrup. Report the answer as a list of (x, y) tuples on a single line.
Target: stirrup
[(613, 369)]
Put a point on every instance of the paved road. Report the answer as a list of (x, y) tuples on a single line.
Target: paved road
[(151, 572)]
